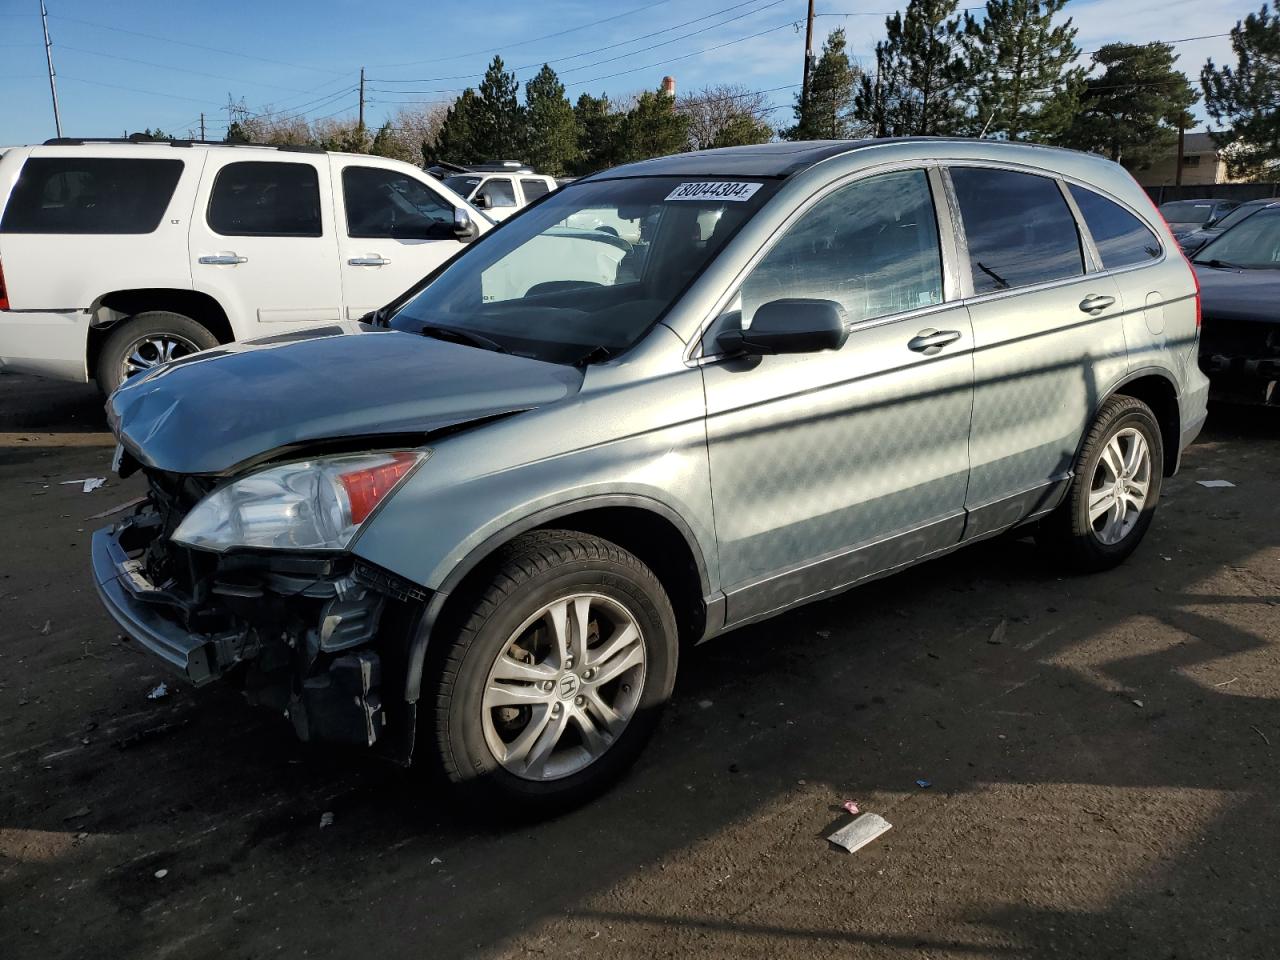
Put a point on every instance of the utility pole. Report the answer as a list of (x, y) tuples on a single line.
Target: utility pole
[(202, 125), (48, 55), (1177, 168), (362, 98), (808, 61)]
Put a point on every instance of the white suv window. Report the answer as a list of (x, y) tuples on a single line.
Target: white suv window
[(388, 204), (501, 191), (90, 195), (266, 199)]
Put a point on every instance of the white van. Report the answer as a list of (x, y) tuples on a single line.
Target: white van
[(117, 255)]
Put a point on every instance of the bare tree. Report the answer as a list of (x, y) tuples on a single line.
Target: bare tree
[(724, 108), (413, 127)]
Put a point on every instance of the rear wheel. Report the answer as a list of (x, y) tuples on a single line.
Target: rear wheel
[(1114, 493), (556, 677), (147, 340)]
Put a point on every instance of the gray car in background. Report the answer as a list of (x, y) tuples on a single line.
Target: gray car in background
[(480, 529)]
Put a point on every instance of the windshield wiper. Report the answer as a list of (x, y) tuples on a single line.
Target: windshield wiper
[(1222, 264), (462, 335), (594, 355)]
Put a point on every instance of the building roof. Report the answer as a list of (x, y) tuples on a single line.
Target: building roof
[(1198, 143)]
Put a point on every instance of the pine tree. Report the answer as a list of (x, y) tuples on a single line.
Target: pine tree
[(919, 74), (1020, 67), (1130, 111), (652, 128), (499, 122), (1247, 98), (552, 145), (598, 128), (456, 142), (827, 113)]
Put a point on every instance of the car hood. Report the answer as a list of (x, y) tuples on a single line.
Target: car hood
[(1227, 294), (208, 413)]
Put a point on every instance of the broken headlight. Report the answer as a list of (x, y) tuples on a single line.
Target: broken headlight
[(312, 505)]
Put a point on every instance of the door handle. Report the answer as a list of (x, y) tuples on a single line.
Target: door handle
[(224, 260), (1096, 303), (368, 261), (931, 341)]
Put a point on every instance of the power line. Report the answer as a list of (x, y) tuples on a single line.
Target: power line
[(612, 46), (522, 43), (163, 66)]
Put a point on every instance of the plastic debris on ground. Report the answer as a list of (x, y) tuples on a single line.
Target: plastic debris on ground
[(924, 784), (159, 692), (705, 704), (851, 806), (326, 819), (89, 484), (117, 508), (856, 835), (1215, 483), (161, 873), (435, 860)]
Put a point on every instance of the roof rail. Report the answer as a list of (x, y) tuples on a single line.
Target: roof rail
[(138, 138)]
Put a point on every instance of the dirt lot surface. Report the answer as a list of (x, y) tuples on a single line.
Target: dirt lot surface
[(1101, 754)]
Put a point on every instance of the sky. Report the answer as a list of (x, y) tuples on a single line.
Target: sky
[(128, 65)]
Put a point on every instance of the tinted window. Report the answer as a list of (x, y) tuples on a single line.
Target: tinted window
[(266, 199), (462, 186), (1019, 228), (871, 246), (533, 189), (90, 195), (1121, 238), (384, 203), (1186, 211), (501, 192)]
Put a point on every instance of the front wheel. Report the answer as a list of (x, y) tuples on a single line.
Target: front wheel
[(556, 676), (1113, 496), (147, 340)]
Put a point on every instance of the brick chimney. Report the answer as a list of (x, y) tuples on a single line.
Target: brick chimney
[(669, 87)]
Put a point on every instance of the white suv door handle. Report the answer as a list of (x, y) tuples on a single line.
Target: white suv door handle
[(223, 260), (368, 261)]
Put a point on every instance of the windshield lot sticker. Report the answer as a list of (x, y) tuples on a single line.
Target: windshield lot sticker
[(714, 190)]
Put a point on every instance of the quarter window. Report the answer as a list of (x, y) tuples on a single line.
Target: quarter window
[(90, 195), (387, 204), (1019, 229), (266, 199), (871, 246), (1121, 238)]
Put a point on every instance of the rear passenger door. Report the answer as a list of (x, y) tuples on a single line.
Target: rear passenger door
[(262, 240), (393, 229), (829, 467), (1048, 340), (502, 197)]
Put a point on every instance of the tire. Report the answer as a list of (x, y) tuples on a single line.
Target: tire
[(144, 333), (480, 746), (1092, 545)]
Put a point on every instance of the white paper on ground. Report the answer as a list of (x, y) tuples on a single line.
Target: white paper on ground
[(1215, 483), (856, 835)]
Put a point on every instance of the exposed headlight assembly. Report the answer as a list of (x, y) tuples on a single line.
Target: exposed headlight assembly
[(312, 505)]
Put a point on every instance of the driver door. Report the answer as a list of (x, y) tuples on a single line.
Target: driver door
[(393, 229), (829, 467)]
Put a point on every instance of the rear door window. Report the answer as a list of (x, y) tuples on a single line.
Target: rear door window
[(533, 189), (1121, 238), (1019, 229), (266, 199), (501, 191), (90, 195)]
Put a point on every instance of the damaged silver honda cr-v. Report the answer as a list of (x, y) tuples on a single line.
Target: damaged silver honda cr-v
[(666, 401)]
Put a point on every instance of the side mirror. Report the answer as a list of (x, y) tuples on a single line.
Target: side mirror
[(789, 326), (463, 229), (483, 201)]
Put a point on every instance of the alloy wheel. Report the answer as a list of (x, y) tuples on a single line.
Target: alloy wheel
[(1120, 486), (152, 350), (564, 687)]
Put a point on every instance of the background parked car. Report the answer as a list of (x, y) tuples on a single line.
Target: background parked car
[(499, 189), (117, 256), (1239, 275), (1183, 216), (1193, 241)]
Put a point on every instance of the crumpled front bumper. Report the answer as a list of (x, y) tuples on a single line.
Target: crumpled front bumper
[(123, 588)]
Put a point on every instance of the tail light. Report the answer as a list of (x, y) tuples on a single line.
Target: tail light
[(1196, 277), (4, 291)]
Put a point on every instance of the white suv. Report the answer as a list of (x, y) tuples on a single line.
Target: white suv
[(499, 189), (117, 256)]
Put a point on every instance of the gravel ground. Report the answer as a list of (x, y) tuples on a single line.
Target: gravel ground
[(1102, 755)]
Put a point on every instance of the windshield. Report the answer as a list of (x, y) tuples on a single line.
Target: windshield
[(462, 186), (1187, 211), (1254, 244), (589, 270), (1242, 212)]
